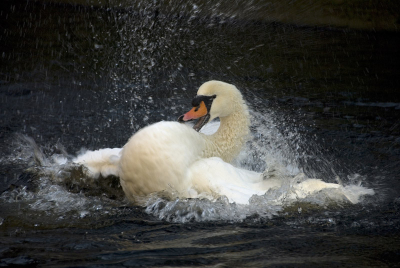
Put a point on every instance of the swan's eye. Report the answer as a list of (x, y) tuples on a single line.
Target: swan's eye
[(205, 100)]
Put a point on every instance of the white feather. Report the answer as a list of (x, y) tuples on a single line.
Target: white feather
[(103, 161)]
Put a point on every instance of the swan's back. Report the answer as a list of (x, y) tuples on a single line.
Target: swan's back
[(158, 158)]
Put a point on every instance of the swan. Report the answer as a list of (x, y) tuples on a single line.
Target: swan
[(179, 160), (167, 156)]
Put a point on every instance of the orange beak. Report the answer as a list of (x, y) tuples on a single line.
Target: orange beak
[(196, 112)]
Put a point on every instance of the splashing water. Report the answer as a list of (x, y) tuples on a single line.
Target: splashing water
[(267, 151), (64, 188)]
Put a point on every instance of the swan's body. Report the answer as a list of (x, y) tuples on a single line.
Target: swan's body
[(158, 157), (175, 158)]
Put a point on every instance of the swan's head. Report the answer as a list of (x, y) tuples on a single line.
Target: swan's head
[(214, 99)]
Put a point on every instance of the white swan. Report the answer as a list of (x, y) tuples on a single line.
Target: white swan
[(175, 158), (164, 156)]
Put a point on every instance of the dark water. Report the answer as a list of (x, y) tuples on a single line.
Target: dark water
[(75, 77)]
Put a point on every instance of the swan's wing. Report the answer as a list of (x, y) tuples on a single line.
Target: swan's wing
[(238, 185)]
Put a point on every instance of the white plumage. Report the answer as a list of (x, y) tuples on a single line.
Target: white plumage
[(103, 161)]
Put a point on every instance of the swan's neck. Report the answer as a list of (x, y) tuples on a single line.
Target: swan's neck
[(231, 135)]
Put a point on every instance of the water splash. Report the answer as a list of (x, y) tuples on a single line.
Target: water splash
[(52, 184), (62, 187)]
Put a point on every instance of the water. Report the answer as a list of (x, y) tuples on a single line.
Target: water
[(324, 101)]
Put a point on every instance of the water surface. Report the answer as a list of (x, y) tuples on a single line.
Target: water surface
[(324, 100)]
